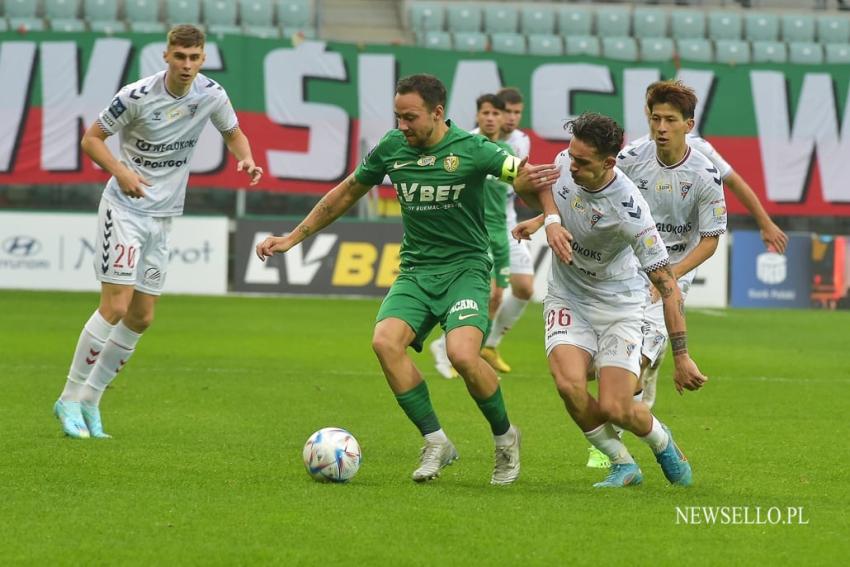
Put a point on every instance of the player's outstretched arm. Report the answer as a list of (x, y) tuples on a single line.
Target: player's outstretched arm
[(94, 145), (687, 376), (526, 228), (328, 209), (702, 251), (771, 234), (237, 143)]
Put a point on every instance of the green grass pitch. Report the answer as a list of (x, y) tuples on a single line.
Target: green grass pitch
[(210, 416)]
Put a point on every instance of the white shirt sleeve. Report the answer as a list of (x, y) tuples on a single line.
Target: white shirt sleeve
[(704, 147), (224, 117), (643, 237), (712, 206), (118, 114)]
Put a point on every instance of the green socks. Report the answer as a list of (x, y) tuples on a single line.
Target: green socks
[(494, 410), (416, 403)]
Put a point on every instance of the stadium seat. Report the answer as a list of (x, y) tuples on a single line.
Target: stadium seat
[(833, 29), (724, 25), (469, 41), (537, 21), (466, 18), (508, 43), (731, 51), (256, 13), (219, 13), (262, 32), (143, 16), (22, 15), (102, 16), (435, 39), (500, 19), (620, 48), (769, 52), (837, 52), (183, 11), (649, 22), (575, 22), (545, 44), (62, 15), (698, 50), (657, 49), (762, 27), (613, 22), (687, 24), (426, 17), (798, 27), (805, 52), (297, 14), (583, 45)]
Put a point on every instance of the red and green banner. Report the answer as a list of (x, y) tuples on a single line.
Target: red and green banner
[(313, 109)]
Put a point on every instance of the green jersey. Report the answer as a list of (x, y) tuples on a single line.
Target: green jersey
[(441, 192), (496, 199)]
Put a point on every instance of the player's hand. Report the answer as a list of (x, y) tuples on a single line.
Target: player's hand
[(536, 178), (559, 239), (132, 184), (526, 228), (774, 239), (687, 376), (255, 172), (272, 245)]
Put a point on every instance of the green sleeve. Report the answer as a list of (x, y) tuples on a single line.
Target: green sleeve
[(498, 161), (371, 170)]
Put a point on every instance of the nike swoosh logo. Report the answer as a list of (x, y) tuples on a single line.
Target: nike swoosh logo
[(467, 316), (397, 165)]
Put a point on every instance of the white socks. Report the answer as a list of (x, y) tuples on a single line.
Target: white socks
[(438, 436), (506, 438), (508, 314), (657, 438), (116, 352), (606, 440), (89, 347)]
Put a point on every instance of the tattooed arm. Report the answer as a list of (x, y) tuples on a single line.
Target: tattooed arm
[(687, 376), (328, 209)]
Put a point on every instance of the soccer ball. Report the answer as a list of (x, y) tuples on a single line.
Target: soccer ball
[(332, 455)]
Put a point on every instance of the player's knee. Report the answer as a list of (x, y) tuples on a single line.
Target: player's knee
[(614, 411), (569, 388), (523, 291), (385, 346), (113, 310), (463, 358), (138, 321)]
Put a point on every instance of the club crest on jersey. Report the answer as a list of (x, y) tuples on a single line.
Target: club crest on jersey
[(577, 204), (595, 217), (425, 161), (684, 188), (193, 108), (451, 163)]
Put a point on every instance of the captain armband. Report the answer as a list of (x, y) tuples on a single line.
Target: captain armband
[(510, 169)]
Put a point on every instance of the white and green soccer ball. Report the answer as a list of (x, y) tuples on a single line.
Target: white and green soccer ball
[(332, 454)]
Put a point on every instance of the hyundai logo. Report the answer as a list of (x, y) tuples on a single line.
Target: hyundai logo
[(22, 246)]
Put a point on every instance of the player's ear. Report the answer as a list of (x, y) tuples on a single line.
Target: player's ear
[(609, 162), (439, 111), (691, 123)]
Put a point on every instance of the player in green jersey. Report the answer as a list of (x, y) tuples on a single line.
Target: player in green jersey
[(490, 117), (438, 172)]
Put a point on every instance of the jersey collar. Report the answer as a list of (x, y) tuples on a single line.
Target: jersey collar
[(677, 164)]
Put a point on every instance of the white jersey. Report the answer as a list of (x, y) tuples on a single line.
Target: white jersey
[(521, 144), (686, 198), (158, 133), (614, 235), (703, 146)]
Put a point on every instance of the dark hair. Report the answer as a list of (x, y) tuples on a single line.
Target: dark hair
[(495, 101), (675, 93), (598, 130), (429, 87), (186, 35), (510, 95)]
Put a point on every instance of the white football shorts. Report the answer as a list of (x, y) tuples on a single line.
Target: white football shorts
[(611, 334), (521, 262), (131, 249)]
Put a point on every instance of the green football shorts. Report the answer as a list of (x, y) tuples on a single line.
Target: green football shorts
[(452, 299)]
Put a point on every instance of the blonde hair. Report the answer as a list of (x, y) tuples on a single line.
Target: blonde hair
[(186, 35)]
